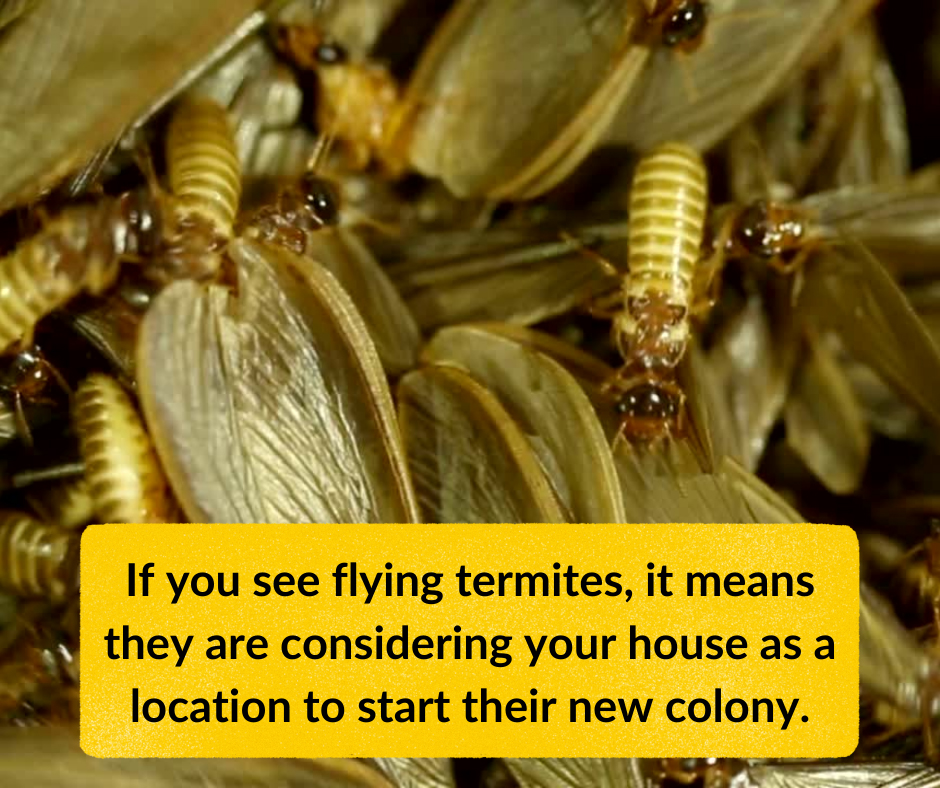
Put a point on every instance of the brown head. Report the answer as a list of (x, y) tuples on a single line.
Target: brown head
[(681, 24), (766, 229), (649, 410), (27, 373)]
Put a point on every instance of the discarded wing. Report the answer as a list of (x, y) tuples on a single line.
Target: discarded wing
[(271, 406)]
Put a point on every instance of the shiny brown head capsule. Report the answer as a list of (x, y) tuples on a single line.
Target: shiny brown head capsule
[(649, 409), (682, 24), (309, 205), (713, 772), (24, 379)]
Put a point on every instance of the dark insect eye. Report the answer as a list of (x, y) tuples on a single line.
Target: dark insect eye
[(685, 25), (321, 199), (330, 54)]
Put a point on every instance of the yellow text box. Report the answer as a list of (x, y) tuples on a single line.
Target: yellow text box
[(578, 652)]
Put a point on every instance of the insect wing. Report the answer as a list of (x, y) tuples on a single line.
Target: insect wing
[(87, 70), (847, 290), (391, 325), (826, 425), (843, 775), (469, 459), (553, 411), (502, 83), (272, 406), (751, 47)]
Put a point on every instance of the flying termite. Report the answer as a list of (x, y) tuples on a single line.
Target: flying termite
[(651, 314)]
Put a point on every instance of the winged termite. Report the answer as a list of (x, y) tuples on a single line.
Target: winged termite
[(123, 473), (36, 559), (552, 410), (751, 49), (825, 423), (90, 72), (470, 460), (289, 393), (50, 757)]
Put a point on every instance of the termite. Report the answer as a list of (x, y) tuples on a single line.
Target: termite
[(121, 467), (360, 103), (36, 559), (651, 326), (78, 251), (25, 379)]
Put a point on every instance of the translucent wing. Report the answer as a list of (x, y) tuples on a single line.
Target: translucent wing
[(847, 290), (390, 323), (550, 408), (826, 425), (751, 48), (469, 459), (271, 406), (505, 90), (76, 74), (515, 275)]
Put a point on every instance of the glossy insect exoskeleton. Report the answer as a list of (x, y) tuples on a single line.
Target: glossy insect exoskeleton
[(121, 467), (310, 204), (667, 218), (774, 232), (205, 181), (25, 379), (358, 102), (36, 559), (78, 251), (680, 24)]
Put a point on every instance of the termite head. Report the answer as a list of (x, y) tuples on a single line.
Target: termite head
[(26, 374), (682, 23), (653, 332), (139, 232), (649, 409), (766, 229)]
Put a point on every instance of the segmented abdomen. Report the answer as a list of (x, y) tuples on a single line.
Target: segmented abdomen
[(202, 162), (67, 503), (36, 560), (72, 253), (123, 472), (667, 219)]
